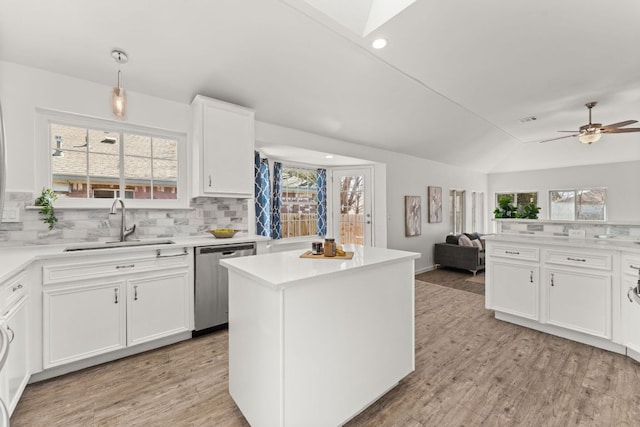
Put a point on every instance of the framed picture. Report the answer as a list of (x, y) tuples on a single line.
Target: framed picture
[(435, 203), (412, 216)]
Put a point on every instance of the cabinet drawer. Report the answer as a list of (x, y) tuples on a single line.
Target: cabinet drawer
[(631, 266), (579, 259), (80, 269), (12, 290), (515, 252)]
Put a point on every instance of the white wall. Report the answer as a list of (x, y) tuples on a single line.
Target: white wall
[(404, 176), (22, 89), (620, 179)]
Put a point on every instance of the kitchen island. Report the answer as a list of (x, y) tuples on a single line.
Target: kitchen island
[(312, 342)]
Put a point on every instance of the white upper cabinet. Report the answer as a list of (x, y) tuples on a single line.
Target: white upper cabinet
[(223, 144)]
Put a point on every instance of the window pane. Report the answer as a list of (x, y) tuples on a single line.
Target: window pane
[(352, 209), (140, 190), (562, 204), (165, 149), (137, 145), (165, 179), (299, 214), (68, 161), (104, 142), (590, 204), (511, 196)]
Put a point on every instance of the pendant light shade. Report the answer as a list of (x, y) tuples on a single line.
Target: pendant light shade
[(119, 98)]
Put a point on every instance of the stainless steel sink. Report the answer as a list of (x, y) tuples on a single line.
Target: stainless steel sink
[(110, 245)]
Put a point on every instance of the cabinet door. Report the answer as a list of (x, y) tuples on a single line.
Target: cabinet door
[(630, 317), (227, 151), (81, 322), (158, 306), (16, 368), (514, 288), (580, 301)]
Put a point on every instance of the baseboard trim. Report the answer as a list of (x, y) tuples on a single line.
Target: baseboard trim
[(424, 270)]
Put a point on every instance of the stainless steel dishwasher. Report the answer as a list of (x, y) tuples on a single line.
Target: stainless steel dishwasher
[(212, 284)]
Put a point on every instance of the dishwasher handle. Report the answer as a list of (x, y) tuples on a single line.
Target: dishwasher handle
[(225, 250)]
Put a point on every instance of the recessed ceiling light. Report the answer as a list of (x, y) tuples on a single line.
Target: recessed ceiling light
[(328, 156), (379, 43)]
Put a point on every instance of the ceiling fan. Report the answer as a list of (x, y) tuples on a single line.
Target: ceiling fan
[(591, 132)]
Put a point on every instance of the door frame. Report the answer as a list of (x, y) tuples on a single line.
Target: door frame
[(369, 193)]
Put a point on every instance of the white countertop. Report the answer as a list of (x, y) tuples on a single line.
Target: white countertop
[(615, 244), (276, 270), (17, 258)]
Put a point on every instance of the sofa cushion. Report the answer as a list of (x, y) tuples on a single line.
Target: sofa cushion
[(477, 243), (464, 240), (452, 239)]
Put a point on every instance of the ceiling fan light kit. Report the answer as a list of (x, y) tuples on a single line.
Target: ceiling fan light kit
[(592, 132)]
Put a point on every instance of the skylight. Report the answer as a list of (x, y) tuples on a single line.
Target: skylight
[(361, 16)]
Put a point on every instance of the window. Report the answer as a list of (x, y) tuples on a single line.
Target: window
[(578, 205), (90, 159), (520, 200), (299, 211), (477, 212), (456, 211)]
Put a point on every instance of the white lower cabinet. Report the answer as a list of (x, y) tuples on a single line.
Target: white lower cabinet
[(631, 318), (580, 301), (16, 369), (139, 299), (83, 321), (157, 306), (515, 288)]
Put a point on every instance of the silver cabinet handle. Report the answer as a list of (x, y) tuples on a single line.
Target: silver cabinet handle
[(209, 180), (629, 296), (576, 259), (635, 267), (118, 267), (116, 296), (13, 334), (512, 252), (159, 254), (135, 292), (15, 288), (552, 280), (531, 277)]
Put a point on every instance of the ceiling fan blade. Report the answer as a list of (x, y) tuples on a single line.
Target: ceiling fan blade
[(624, 130), (560, 137), (620, 124)]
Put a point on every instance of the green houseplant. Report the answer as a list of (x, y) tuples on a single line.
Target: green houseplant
[(505, 209), (530, 211), (45, 201)]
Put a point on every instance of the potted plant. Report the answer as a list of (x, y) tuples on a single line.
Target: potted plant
[(45, 201), (505, 209), (530, 211)]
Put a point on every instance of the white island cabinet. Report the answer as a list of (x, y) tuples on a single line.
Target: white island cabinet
[(312, 342)]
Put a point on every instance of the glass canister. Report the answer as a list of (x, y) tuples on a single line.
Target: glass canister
[(329, 247)]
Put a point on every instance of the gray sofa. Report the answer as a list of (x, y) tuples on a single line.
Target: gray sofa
[(454, 253)]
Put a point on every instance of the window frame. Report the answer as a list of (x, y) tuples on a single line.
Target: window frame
[(457, 227), (575, 201), (304, 167), (44, 119)]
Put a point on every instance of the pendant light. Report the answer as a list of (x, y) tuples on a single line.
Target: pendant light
[(119, 99)]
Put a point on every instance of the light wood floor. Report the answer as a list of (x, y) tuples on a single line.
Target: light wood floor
[(471, 370)]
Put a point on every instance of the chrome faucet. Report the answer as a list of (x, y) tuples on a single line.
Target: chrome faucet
[(124, 231)]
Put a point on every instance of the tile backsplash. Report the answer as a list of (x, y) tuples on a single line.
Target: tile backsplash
[(86, 225)]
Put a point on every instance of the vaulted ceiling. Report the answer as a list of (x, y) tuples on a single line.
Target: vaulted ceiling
[(452, 85)]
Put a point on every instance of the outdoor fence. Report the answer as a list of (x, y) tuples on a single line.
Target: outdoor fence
[(297, 224)]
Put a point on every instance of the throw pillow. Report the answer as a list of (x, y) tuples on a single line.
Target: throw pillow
[(471, 236), (452, 239), (477, 243), (464, 241)]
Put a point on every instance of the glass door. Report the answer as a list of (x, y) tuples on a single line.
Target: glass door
[(351, 200)]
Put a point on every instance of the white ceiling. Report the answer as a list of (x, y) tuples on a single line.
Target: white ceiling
[(451, 85)]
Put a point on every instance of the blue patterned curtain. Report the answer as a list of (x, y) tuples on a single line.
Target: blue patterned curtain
[(322, 202), (276, 225), (263, 196)]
